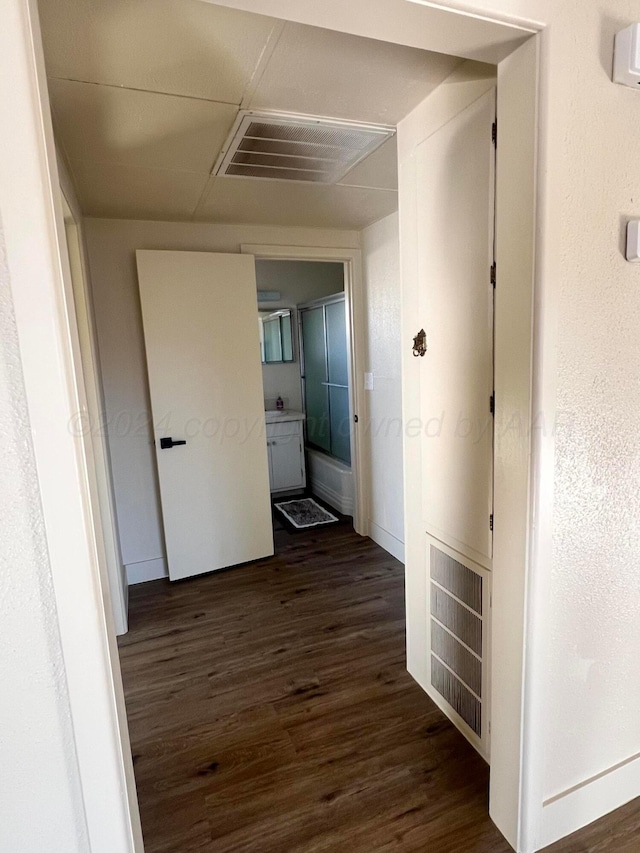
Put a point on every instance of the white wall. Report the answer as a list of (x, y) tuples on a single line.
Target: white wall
[(381, 265), (111, 246), (39, 774), (297, 282)]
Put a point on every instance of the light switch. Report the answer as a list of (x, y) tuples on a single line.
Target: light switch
[(633, 241), (368, 382)]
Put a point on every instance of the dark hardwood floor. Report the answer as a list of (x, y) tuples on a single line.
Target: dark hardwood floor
[(270, 711)]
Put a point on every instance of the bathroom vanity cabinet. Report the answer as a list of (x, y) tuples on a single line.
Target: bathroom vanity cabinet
[(285, 448)]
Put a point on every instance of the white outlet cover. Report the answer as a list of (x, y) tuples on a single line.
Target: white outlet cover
[(368, 382)]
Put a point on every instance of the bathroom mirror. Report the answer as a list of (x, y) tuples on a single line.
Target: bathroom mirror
[(276, 335)]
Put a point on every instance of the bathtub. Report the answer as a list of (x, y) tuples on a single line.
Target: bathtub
[(331, 480)]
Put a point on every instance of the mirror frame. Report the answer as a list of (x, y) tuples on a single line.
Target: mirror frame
[(274, 311)]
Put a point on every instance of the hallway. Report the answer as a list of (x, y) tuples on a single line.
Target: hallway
[(270, 710)]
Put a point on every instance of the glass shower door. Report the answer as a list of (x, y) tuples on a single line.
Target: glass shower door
[(316, 392), (326, 378)]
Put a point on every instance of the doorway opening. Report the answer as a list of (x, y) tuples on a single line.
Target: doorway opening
[(403, 330), (309, 405)]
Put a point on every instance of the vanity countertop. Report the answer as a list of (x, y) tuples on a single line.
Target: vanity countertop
[(275, 416)]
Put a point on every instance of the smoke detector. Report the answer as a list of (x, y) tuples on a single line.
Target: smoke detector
[(287, 147)]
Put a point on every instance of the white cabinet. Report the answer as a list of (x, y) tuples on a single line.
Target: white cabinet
[(285, 448)]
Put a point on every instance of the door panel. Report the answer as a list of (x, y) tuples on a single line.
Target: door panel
[(455, 235), (337, 360), (315, 374), (286, 462), (340, 423), (203, 356)]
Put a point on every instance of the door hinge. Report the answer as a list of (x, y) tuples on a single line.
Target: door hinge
[(492, 404), (491, 522), (492, 274), (494, 133)]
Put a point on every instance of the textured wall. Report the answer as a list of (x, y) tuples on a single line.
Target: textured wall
[(593, 704), (39, 772), (381, 262)]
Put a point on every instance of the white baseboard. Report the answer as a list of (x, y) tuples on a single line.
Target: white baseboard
[(589, 801), (147, 570), (386, 540), (333, 498)]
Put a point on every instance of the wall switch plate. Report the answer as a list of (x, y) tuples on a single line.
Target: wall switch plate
[(368, 382), (633, 241), (626, 57)]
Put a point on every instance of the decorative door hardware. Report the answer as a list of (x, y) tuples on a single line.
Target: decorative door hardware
[(420, 344)]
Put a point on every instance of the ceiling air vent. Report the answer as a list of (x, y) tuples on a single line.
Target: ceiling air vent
[(285, 147)]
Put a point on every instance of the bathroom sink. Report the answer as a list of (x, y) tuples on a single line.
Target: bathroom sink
[(288, 414)]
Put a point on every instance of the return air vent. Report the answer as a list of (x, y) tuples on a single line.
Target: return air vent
[(457, 634), (284, 147)]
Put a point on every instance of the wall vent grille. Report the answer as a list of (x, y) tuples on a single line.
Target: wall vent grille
[(457, 636), (285, 147)]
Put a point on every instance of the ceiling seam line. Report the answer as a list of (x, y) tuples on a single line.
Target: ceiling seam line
[(366, 187), (263, 63), (146, 91), (207, 191), (96, 163)]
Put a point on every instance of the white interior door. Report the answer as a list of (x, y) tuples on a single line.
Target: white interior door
[(203, 357), (455, 166)]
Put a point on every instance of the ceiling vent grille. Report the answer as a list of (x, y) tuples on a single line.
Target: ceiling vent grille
[(284, 147)]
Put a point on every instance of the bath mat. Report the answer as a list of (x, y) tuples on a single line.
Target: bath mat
[(304, 513)]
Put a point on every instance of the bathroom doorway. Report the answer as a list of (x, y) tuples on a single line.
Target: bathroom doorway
[(327, 328)]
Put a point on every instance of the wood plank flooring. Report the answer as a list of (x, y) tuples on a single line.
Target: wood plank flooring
[(270, 711)]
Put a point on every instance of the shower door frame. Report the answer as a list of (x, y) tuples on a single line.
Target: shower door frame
[(323, 302)]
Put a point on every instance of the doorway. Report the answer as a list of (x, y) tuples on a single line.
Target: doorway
[(297, 404), (303, 340), (516, 255), (341, 483)]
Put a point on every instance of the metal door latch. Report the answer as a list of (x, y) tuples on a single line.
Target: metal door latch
[(420, 344)]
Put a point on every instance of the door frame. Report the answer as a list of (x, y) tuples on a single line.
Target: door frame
[(351, 259), (90, 427), (33, 225)]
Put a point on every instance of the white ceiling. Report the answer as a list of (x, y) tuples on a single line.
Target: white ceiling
[(144, 93)]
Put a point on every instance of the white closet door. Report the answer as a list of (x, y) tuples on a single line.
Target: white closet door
[(455, 234)]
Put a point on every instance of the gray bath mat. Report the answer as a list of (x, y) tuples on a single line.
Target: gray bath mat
[(305, 512)]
